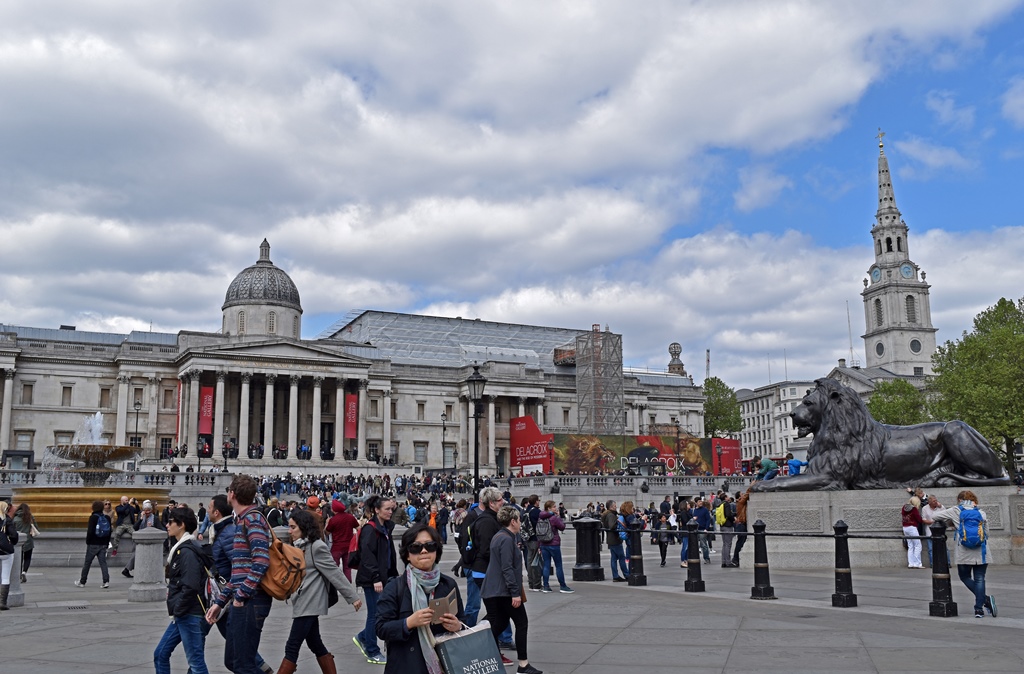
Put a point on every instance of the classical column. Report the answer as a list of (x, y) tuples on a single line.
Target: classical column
[(317, 397), (361, 420), (5, 415), (268, 415), (192, 438), (243, 416), (122, 410), (339, 418), (540, 413), (154, 408), (465, 412), (182, 409), (385, 449), (293, 413), (636, 418), (490, 432), (218, 415), (522, 406)]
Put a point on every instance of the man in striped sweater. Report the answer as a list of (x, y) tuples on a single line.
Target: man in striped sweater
[(250, 605)]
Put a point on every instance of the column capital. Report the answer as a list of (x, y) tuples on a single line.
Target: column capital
[(154, 381), (364, 384), (221, 376), (246, 377), (9, 373), (271, 378), (522, 400), (318, 381), (294, 379), (387, 393), (193, 373), (124, 379)]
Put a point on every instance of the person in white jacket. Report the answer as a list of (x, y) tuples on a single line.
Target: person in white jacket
[(971, 563)]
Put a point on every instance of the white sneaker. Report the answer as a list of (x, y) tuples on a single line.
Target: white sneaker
[(79, 583), (105, 585)]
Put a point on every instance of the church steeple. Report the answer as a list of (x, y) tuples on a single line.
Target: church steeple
[(897, 309)]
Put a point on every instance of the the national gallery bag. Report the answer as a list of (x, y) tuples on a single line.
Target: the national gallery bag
[(470, 651)]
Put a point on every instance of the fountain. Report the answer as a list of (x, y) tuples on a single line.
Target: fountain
[(78, 474)]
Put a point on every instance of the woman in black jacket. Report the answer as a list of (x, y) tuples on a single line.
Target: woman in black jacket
[(186, 583), (377, 565), (402, 622), (97, 538)]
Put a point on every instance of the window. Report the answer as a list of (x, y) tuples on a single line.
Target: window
[(449, 412), (497, 414), (911, 309), (878, 312), (421, 411), (792, 391), (419, 452), (241, 322), (26, 394), (918, 371), (135, 441), (63, 438), (65, 396), (169, 399), (888, 244), (372, 450), (393, 453), (295, 327), (272, 322), (449, 454), (374, 408), (899, 244), (878, 247), (915, 346), (879, 348), (104, 397), (166, 443), (565, 417), (652, 419), (137, 396), (23, 442), (325, 403), (394, 408)]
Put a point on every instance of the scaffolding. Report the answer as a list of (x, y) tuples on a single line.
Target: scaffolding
[(599, 386)]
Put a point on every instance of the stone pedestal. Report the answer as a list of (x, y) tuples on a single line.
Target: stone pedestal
[(16, 597), (149, 582)]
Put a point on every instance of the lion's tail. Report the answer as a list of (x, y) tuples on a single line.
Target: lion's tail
[(981, 481)]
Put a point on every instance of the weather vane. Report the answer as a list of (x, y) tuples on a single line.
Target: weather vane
[(881, 134)]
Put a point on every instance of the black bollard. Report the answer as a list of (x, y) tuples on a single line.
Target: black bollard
[(844, 596), (942, 604), (588, 550), (636, 557), (694, 583), (762, 577)]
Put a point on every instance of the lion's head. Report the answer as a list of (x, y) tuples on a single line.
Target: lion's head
[(587, 454), (829, 401)]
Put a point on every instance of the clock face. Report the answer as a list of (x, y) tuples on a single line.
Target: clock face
[(876, 274), (907, 271)]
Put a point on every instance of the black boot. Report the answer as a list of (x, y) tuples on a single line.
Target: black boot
[(4, 591)]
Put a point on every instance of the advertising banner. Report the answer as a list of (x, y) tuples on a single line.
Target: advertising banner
[(351, 415), (205, 410), (532, 451)]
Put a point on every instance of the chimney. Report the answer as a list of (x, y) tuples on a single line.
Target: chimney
[(842, 362)]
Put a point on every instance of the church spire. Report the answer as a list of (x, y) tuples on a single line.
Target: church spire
[(886, 196)]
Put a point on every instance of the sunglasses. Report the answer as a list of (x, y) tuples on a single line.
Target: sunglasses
[(417, 548)]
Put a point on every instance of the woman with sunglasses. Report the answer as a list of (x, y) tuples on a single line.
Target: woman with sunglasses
[(404, 620), (311, 601)]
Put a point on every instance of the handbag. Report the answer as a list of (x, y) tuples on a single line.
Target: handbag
[(471, 650), (332, 593), (353, 550), (522, 593), (33, 531)]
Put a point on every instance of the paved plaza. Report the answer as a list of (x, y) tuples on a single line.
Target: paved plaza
[(602, 628)]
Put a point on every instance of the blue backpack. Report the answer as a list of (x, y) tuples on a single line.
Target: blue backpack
[(972, 530), (103, 526)]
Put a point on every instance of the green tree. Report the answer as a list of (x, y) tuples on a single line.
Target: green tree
[(980, 377), (721, 411), (897, 402)]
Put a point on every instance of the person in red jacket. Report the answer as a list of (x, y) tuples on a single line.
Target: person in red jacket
[(341, 527), (911, 527)]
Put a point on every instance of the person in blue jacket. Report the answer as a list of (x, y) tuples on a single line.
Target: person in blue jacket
[(794, 464)]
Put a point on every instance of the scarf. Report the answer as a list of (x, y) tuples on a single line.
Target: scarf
[(421, 586), (184, 537)]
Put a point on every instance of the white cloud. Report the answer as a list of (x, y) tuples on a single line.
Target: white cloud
[(931, 158), (1013, 102), (759, 187), (943, 105)]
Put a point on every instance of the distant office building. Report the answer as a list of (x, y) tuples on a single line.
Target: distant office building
[(767, 428)]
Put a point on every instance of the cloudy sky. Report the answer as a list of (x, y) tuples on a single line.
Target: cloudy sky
[(701, 172)]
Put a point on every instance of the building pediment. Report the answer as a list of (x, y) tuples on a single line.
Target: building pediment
[(275, 352)]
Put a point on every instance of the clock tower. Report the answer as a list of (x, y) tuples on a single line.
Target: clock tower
[(897, 310)]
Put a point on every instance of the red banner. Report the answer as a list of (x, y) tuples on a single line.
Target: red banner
[(206, 410), (532, 451), (351, 415)]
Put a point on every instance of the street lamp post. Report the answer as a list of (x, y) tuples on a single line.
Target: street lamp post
[(444, 427), (138, 406), (476, 383), (226, 431), (718, 450)]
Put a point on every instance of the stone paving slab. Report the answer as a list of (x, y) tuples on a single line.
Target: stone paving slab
[(603, 627)]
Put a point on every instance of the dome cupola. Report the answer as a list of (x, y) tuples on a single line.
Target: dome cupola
[(262, 300)]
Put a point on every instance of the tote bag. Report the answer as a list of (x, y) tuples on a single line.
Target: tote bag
[(470, 651)]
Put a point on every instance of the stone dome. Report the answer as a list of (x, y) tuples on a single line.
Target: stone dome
[(263, 283)]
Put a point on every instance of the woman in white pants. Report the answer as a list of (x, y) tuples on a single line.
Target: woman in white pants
[(10, 537), (911, 527)]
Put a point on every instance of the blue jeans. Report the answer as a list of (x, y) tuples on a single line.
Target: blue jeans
[(618, 557), (245, 627), (368, 637), (188, 631), (549, 552), (684, 552), (976, 584), (472, 600)]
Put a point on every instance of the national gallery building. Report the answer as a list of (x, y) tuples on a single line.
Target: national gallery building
[(376, 388)]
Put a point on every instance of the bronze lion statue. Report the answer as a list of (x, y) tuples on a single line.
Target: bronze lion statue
[(850, 450)]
